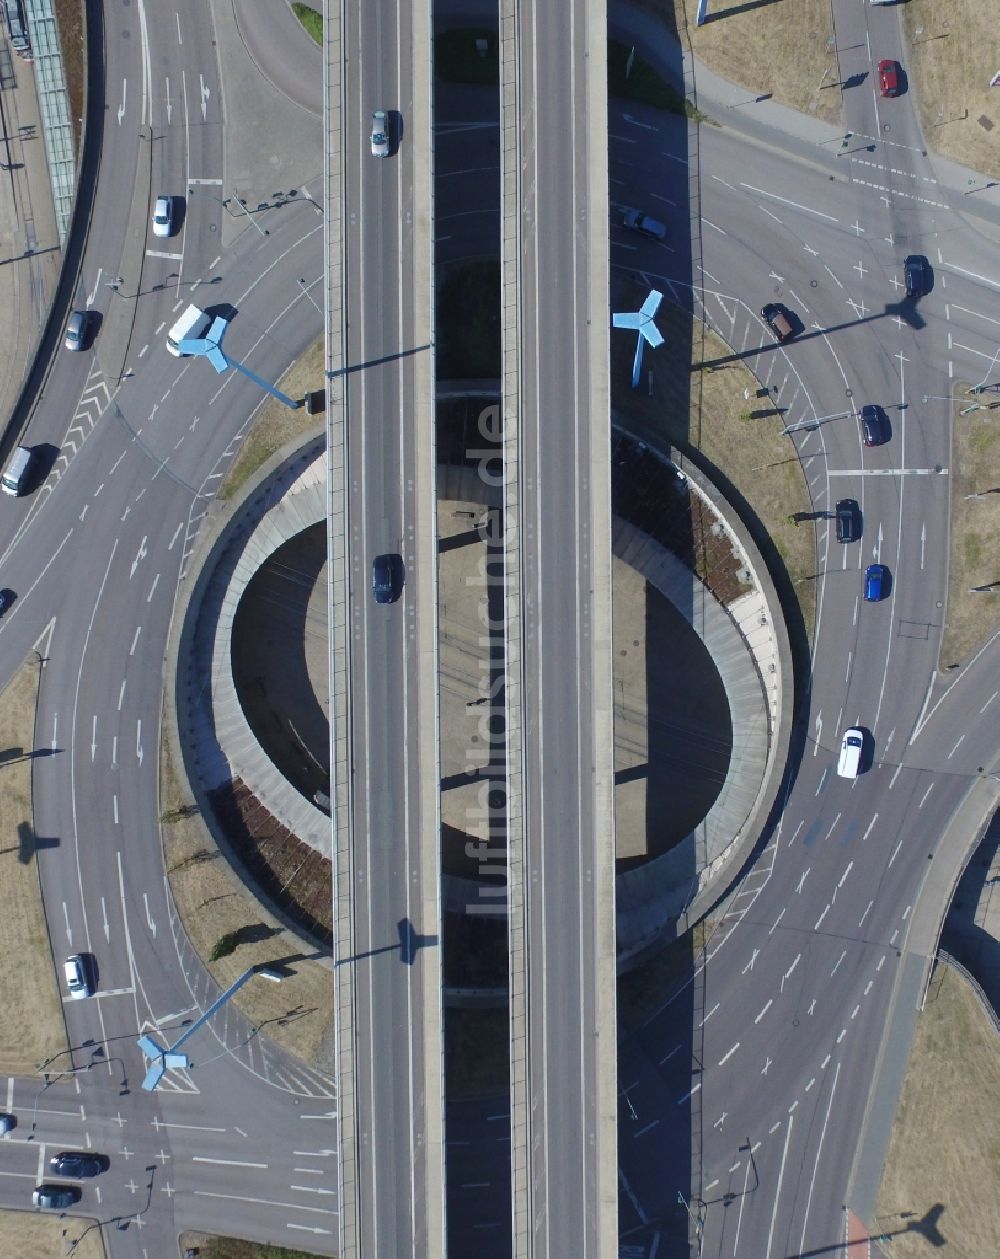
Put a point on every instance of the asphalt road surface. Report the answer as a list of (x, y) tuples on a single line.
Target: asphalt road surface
[(95, 556), (564, 650), (397, 1204), (747, 1094)]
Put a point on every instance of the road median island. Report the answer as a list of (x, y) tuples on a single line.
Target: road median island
[(276, 424), (206, 1246), (213, 903), (938, 1190), (973, 611), (952, 58), (32, 1235), (28, 983), (784, 51), (708, 404)]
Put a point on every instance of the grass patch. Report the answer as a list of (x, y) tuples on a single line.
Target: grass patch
[(34, 1235), (944, 1151), (235, 1248), (784, 50), (277, 424), (458, 60), (476, 1051), (72, 45), (31, 984), (468, 320), (952, 57), (975, 529), (213, 902), (700, 409), (312, 22), (643, 84)]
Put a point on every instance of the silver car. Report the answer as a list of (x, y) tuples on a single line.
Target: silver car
[(76, 330), (163, 216), (380, 133)]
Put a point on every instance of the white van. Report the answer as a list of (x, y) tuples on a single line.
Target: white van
[(18, 472), (851, 747), (192, 324)]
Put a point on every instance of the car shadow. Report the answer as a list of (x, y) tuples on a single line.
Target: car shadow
[(394, 120)]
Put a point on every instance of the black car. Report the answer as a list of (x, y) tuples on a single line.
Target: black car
[(7, 598), (55, 1197), (917, 272), (777, 320), (872, 425), (77, 1164), (848, 520), (387, 578)]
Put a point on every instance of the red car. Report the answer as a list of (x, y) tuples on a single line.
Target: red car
[(888, 78)]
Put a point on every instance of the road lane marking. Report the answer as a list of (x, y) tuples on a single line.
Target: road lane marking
[(777, 1192), (819, 1151), (226, 1162), (728, 1054), (839, 960), (764, 1010), (953, 750), (264, 1202), (762, 192), (865, 914), (895, 853), (788, 973), (888, 471), (974, 275)]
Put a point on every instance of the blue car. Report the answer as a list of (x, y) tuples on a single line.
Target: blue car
[(876, 582)]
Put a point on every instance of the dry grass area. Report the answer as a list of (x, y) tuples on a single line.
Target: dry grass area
[(298, 1012), (210, 1247), (944, 1159), (32, 1235), (953, 54), (31, 985), (704, 409), (975, 530), (276, 424), (72, 42), (784, 49)]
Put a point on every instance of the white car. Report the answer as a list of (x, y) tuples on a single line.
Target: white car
[(851, 747), (163, 216), (77, 978), (380, 133)]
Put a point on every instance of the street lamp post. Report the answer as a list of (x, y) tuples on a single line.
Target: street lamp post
[(815, 423), (936, 397)]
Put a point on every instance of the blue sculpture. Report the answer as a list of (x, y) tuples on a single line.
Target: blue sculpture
[(642, 320)]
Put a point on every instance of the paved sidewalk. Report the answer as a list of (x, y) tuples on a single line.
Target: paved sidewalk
[(30, 254)]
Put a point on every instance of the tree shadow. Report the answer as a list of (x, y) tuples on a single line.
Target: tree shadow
[(736, 9)]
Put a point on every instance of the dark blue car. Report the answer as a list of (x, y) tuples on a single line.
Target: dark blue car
[(876, 582)]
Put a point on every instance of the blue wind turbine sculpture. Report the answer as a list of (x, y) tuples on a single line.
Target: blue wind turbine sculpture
[(642, 321), (210, 345)]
